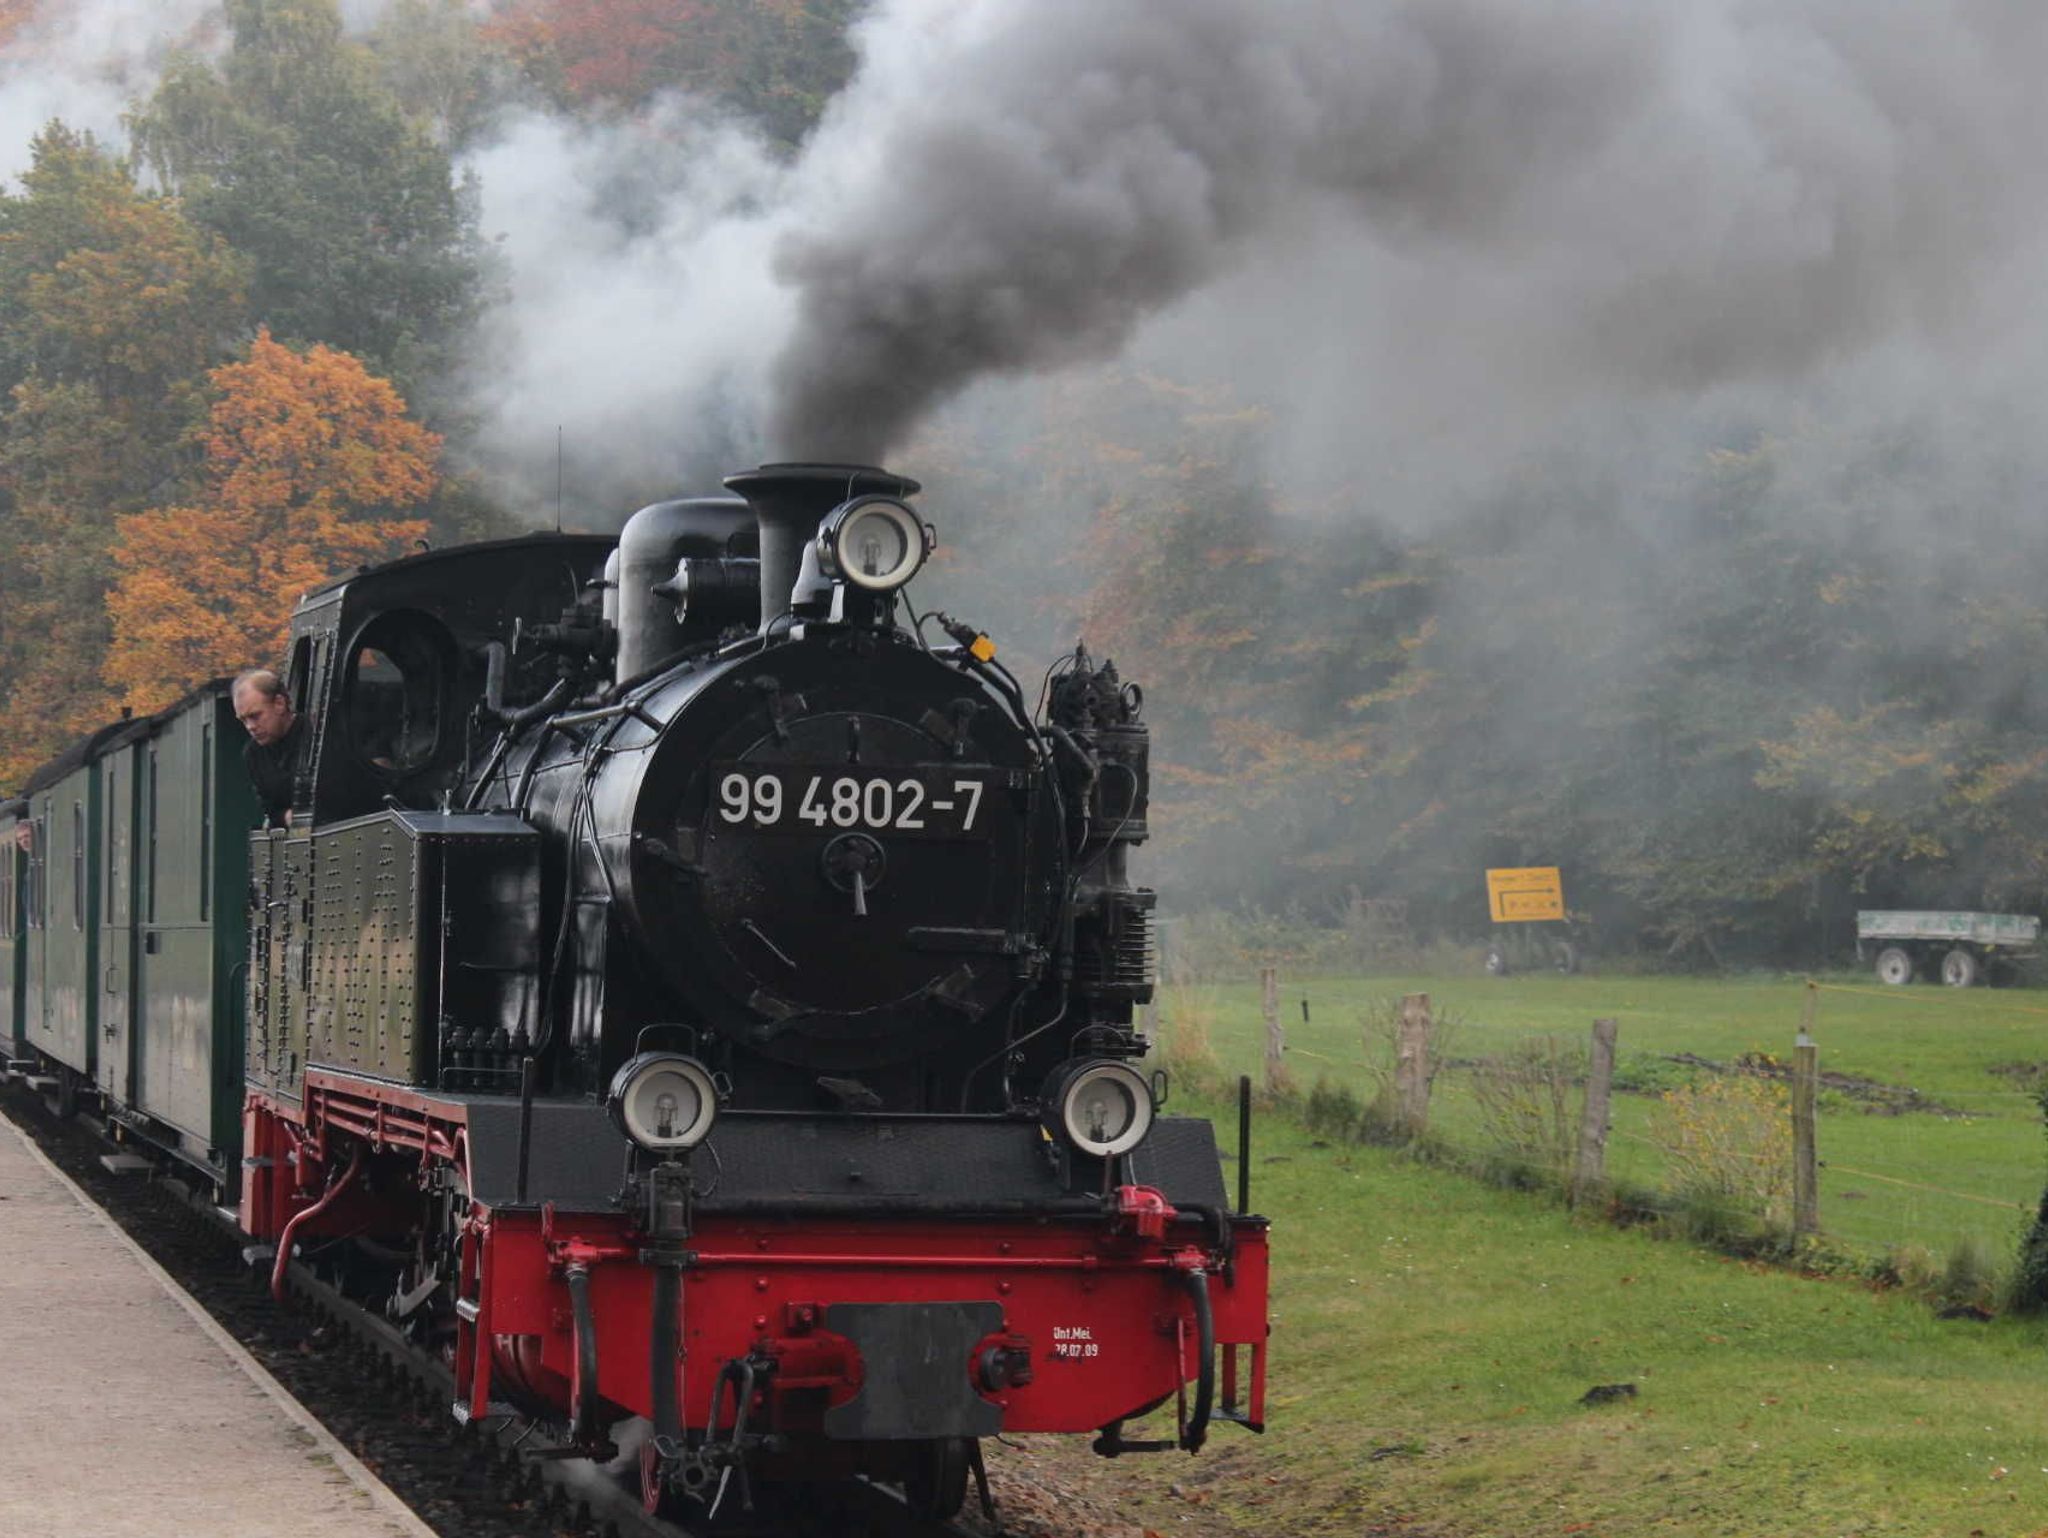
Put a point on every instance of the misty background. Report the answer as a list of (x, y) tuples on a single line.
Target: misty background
[(1495, 432)]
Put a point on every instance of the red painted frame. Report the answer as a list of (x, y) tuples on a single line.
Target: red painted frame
[(1098, 1306)]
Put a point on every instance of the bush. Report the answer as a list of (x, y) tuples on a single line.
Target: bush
[(1727, 1154), (1969, 1279), (2028, 1293), (1332, 1111), (1528, 1107)]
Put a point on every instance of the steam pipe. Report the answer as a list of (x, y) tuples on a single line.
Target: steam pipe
[(291, 1229), (583, 1389), (668, 1413)]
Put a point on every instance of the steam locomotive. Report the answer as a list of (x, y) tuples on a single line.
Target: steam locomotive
[(692, 992)]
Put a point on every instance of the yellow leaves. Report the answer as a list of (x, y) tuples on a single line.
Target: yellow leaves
[(1412, 684), (1389, 582), (307, 455), (1840, 587), (1993, 782), (1727, 1139)]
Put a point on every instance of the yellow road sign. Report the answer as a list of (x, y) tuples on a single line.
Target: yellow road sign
[(1525, 895)]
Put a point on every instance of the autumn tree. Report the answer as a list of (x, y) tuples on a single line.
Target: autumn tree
[(308, 457), (775, 62), (113, 307)]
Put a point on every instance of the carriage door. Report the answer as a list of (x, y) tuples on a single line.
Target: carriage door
[(117, 927)]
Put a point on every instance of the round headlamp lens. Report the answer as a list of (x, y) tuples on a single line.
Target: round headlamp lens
[(663, 1102), (876, 544), (1105, 1109)]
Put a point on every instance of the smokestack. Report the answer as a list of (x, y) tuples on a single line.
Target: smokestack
[(790, 501)]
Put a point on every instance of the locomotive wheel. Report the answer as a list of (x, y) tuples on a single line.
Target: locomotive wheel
[(1961, 969), (1894, 966), (935, 1483), (656, 1498)]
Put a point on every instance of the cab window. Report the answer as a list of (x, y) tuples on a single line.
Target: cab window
[(396, 688)]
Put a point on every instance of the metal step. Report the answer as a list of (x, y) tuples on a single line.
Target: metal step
[(124, 1164)]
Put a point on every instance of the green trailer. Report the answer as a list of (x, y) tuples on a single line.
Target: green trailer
[(1961, 948)]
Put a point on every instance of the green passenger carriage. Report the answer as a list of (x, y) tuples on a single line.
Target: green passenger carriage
[(125, 958)]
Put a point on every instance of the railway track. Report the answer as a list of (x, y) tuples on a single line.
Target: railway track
[(506, 1476)]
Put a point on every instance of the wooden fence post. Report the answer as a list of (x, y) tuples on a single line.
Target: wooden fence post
[(1589, 1179), (1805, 1155), (1411, 1065), (1277, 1082)]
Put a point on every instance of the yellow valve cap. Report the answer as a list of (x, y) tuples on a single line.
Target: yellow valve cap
[(983, 649)]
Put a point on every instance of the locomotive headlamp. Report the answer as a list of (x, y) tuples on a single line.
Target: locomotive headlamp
[(873, 542), (1101, 1107), (663, 1102)]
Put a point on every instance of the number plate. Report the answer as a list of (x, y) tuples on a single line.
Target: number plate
[(899, 803)]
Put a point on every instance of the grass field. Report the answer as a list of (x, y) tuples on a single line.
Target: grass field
[(1434, 1337), (1971, 1169)]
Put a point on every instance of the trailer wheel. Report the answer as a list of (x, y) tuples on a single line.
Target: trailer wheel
[(1960, 969), (1894, 966), (1496, 961), (1565, 957)]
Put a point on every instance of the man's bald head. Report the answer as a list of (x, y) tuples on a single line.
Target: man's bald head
[(262, 706)]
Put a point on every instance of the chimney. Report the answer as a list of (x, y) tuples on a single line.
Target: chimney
[(790, 501)]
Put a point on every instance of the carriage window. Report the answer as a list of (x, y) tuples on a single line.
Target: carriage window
[(395, 681), (298, 679), (8, 862), (77, 865), (110, 798), (38, 914)]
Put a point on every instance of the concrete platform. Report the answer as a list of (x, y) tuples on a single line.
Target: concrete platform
[(124, 1409)]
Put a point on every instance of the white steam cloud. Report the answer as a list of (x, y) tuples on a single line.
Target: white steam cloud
[(87, 64)]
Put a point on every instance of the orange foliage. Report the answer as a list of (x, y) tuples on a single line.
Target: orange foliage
[(14, 15), (307, 455), (615, 50)]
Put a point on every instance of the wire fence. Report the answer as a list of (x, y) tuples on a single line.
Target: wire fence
[(1928, 1112)]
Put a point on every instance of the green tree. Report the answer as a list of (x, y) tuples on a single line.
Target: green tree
[(291, 148)]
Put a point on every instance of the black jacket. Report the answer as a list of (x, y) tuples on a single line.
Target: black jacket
[(274, 771)]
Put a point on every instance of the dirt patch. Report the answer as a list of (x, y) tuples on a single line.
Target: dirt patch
[(1876, 1097)]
